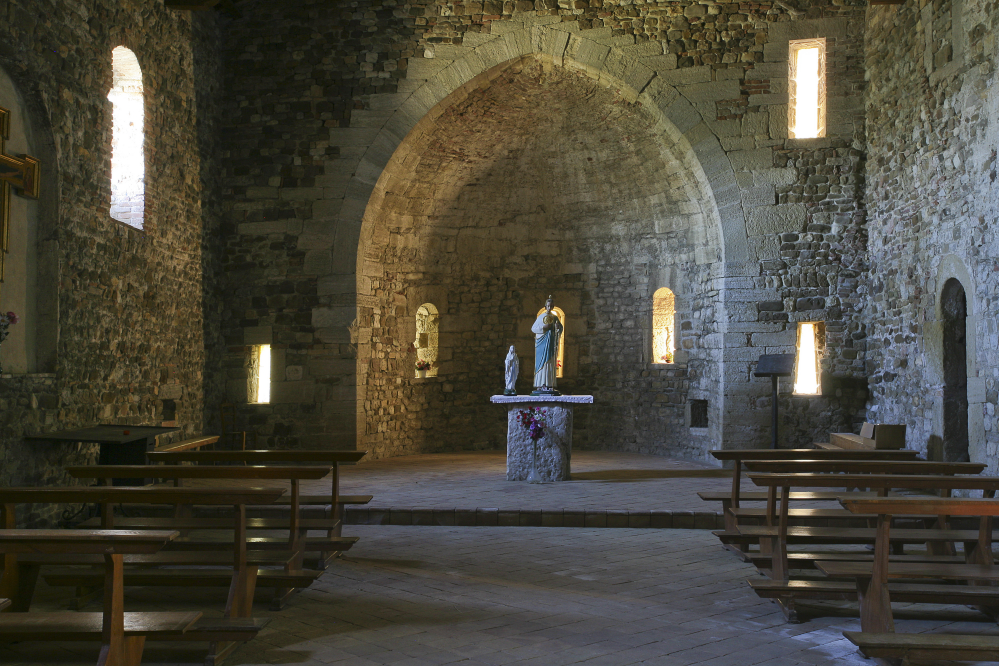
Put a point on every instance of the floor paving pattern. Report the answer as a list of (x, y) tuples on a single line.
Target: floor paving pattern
[(480, 596)]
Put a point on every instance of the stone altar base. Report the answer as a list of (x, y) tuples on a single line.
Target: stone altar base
[(554, 449)]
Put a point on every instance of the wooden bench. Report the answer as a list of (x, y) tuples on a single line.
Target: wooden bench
[(778, 536), (872, 577), (334, 500), (296, 540), (122, 635), (21, 571), (926, 647), (738, 456), (864, 466), (186, 445)]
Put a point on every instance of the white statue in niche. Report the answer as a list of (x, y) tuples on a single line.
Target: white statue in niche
[(512, 371), (547, 331)]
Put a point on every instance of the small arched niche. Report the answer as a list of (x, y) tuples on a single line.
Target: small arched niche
[(663, 326), (427, 341), (128, 162), (954, 309)]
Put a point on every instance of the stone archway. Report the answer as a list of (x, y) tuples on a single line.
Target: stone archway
[(954, 308), (534, 179)]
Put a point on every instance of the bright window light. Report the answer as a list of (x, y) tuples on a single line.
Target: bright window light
[(806, 380), (128, 162), (807, 89), (264, 374)]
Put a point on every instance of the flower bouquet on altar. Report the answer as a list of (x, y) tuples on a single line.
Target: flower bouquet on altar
[(6, 321), (535, 421)]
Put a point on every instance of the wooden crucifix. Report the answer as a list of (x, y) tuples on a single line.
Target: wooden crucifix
[(21, 174)]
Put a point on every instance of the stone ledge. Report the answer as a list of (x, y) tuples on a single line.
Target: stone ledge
[(493, 517), (512, 399)]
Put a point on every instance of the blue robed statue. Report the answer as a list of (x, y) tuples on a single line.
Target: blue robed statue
[(547, 331)]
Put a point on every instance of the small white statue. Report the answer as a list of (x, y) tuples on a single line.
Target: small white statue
[(512, 371)]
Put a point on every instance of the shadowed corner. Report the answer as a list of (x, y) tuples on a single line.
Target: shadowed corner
[(647, 474)]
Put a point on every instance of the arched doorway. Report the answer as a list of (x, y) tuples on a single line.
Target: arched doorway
[(954, 306)]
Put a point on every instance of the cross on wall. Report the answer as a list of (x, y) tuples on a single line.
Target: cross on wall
[(21, 174)]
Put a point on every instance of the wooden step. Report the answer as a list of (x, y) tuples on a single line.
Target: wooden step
[(941, 571), (165, 558), (797, 560), (220, 629), (901, 592), (308, 544), (918, 647), (181, 577), (73, 626), (794, 495), (856, 535), (195, 523), (325, 499)]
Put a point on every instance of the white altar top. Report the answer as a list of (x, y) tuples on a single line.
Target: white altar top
[(577, 399)]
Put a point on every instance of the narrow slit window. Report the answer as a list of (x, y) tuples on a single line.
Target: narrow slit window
[(663, 318), (560, 362), (128, 162), (427, 339), (263, 367), (807, 88), (806, 375)]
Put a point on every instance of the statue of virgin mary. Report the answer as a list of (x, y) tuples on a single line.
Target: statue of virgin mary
[(547, 331)]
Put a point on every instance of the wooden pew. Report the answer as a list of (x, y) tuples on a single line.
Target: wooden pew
[(122, 634), (186, 444), (334, 500), (872, 577), (297, 540), (20, 572), (842, 467), (781, 534), (738, 456)]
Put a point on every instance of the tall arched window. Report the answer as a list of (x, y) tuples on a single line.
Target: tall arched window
[(560, 365), (663, 318), (427, 335), (128, 163)]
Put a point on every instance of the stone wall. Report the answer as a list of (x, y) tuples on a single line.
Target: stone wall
[(314, 129), (128, 334), (933, 128)]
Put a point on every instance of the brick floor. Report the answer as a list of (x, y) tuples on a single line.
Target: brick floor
[(601, 481), (480, 596)]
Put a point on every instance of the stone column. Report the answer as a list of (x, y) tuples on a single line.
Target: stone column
[(554, 449)]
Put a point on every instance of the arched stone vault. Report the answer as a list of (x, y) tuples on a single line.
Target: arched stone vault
[(707, 178)]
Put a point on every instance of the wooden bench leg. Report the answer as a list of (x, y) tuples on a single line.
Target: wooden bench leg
[(116, 649), (27, 577), (239, 604), (872, 592)]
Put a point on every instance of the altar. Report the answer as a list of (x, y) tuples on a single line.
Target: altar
[(554, 449)]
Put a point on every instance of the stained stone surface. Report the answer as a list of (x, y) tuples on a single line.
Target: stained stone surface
[(554, 449)]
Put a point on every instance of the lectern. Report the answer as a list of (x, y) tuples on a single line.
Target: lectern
[(775, 366)]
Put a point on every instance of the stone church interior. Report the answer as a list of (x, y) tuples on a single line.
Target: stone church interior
[(497, 332)]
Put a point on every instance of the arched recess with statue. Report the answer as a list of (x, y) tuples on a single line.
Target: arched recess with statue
[(543, 175)]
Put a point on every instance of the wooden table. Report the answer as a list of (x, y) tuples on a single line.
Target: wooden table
[(121, 643), (120, 444)]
